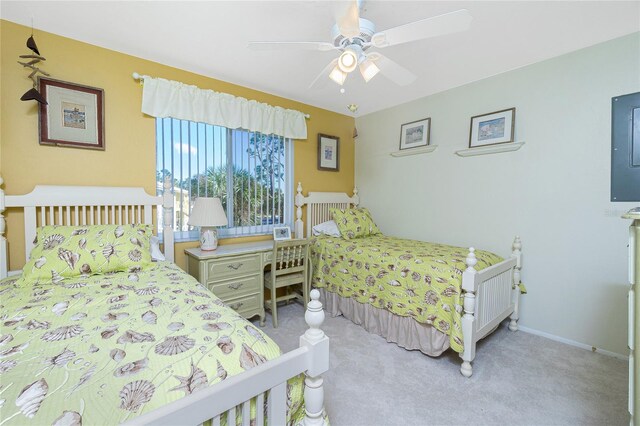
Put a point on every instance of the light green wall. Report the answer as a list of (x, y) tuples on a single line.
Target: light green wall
[(554, 192)]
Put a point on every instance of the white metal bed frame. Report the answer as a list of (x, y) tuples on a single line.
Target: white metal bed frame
[(87, 205), (489, 296)]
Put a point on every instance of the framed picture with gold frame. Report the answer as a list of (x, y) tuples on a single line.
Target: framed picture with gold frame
[(73, 116)]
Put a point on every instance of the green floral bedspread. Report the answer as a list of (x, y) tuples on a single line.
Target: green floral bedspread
[(104, 349), (406, 277)]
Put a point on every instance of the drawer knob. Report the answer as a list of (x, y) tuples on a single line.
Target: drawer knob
[(235, 266), (235, 286), (236, 306)]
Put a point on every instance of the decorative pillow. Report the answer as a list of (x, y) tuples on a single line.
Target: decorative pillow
[(326, 228), (354, 223), (70, 251)]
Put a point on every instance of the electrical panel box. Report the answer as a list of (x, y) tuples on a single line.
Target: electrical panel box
[(625, 148)]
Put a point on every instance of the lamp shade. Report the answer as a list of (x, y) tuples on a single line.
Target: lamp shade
[(338, 76), (368, 69), (207, 211)]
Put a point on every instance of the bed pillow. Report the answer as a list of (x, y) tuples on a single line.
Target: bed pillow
[(70, 251), (326, 228), (156, 253), (354, 223)]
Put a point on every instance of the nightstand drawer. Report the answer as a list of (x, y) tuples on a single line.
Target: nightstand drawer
[(233, 288), (245, 304), (237, 265)]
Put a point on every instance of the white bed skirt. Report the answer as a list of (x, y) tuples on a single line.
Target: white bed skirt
[(404, 331)]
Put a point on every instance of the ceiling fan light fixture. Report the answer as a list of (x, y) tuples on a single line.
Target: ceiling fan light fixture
[(338, 75), (352, 36), (348, 61), (368, 70)]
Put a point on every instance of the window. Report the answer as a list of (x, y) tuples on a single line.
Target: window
[(250, 172)]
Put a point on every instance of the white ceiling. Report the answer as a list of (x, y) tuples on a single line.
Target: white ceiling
[(210, 38)]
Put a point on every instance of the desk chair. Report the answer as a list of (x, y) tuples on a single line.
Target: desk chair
[(289, 267)]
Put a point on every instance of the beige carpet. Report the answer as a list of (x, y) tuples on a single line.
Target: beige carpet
[(519, 379)]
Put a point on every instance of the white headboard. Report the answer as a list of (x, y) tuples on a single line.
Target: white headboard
[(318, 205), (85, 205)]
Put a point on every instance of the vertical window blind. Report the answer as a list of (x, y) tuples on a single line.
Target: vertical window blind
[(250, 172)]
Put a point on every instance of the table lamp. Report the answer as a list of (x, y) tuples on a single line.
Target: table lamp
[(207, 213)]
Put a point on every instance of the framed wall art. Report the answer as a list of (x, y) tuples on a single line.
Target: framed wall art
[(328, 153), (73, 115), (415, 134), (492, 128)]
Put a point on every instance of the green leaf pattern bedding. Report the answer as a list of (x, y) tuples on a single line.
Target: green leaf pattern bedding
[(406, 277), (106, 348)]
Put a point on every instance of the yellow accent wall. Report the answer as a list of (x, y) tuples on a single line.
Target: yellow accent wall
[(129, 158)]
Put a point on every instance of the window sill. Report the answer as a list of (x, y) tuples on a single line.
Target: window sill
[(190, 238)]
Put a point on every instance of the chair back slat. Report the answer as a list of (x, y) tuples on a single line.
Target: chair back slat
[(289, 256)]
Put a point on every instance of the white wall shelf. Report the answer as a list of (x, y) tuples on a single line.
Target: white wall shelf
[(414, 151), (490, 149)]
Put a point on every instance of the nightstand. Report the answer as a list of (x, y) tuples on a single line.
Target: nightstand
[(234, 273)]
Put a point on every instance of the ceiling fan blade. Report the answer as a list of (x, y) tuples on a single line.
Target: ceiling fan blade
[(348, 18), (291, 45), (393, 71), (448, 23), (323, 77)]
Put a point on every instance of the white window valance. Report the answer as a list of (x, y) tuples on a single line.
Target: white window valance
[(165, 98)]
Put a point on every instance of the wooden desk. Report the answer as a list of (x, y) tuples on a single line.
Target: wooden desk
[(234, 273)]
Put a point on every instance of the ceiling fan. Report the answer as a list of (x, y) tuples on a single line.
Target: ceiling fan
[(353, 37)]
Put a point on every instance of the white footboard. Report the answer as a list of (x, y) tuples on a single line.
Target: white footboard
[(490, 296), (494, 297), (266, 383)]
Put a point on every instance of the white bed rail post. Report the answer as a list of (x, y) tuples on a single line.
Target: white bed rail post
[(517, 254), (299, 228), (167, 218), (4, 268), (356, 197), (318, 344), (468, 319)]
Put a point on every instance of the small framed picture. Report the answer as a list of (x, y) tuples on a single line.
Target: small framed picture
[(281, 233), (415, 134), (493, 128), (328, 153), (73, 115)]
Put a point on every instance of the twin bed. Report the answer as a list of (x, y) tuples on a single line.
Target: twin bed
[(419, 295), (144, 344), (141, 341)]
